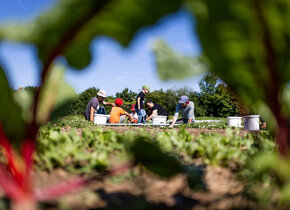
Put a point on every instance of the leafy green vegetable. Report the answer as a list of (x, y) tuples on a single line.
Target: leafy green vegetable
[(10, 113), (55, 93), (157, 161)]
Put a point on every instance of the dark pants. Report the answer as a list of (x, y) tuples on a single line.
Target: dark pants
[(101, 110)]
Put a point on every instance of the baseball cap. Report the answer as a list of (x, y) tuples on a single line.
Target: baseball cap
[(183, 99), (133, 107), (118, 102), (146, 87), (102, 93)]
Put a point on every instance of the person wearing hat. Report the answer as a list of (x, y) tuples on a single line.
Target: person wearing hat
[(118, 114), (134, 114), (187, 110), (140, 109), (95, 105)]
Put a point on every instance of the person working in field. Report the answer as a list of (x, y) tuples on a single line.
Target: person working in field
[(118, 114), (94, 105), (140, 109), (156, 110), (134, 114), (187, 109)]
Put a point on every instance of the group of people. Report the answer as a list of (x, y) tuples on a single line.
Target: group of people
[(138, 113)]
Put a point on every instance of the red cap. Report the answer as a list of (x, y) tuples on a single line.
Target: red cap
[(118, 102), (133, 107)]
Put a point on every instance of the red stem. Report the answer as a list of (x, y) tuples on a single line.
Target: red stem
[(273, 90)]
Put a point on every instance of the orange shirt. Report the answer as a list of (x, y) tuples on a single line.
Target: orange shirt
[(115, 114)]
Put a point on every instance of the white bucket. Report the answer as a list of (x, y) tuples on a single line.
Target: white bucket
[(159, 120), (100, 119), (251, 122), (234, 121)]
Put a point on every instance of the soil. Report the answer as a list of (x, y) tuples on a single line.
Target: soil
[(147, 191)]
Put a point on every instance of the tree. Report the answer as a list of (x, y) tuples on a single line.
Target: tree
[(208, 84), (126, 95)]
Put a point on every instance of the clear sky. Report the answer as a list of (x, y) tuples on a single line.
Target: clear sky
[(114, 67)]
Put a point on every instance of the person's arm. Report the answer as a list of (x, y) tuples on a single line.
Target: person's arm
[(108, 103), (92, 114), (154, 113), (129, 115), (177, 109), (138, 102), (173, 121), (190, 115)]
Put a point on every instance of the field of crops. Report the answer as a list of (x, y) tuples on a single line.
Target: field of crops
[(206, 166)]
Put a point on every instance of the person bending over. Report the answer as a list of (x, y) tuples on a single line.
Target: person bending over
[(94, 105), (156, 110), (187, 111)]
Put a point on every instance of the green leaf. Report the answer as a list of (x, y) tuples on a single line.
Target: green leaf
[(154, 159), (248, 45), (171, 65), (195, 177), (60, 31), (10, 113), (56, 93), (24, 99)]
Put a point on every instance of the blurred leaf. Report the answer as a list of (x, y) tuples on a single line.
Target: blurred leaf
[(154, 159), (195, 177), (285, 193), (272, 162), (10, 113), (55, 93), (61, 31), (248, 45), (24, 99), (171, 65)]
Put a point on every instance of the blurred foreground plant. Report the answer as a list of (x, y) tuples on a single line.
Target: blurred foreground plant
[(247, 45), (59, 32)]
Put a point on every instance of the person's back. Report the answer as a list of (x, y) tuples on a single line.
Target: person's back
[(160, 110), (94, 102), (115, 114)]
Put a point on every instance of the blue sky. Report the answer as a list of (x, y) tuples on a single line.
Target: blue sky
[(114, 67)]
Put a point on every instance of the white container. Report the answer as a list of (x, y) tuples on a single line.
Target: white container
[(100, 119), (234, 121), (156, 120), (251, 122)]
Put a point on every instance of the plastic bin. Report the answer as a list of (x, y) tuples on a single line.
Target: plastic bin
[(234, 121), (100, 119), (159, 120), (252, 122)]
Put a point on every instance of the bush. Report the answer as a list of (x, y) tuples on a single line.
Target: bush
[(78, 106)]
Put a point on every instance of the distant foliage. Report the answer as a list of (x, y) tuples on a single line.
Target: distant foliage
[(31, 89), (127, 95), (216, 99), (79, 105)]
